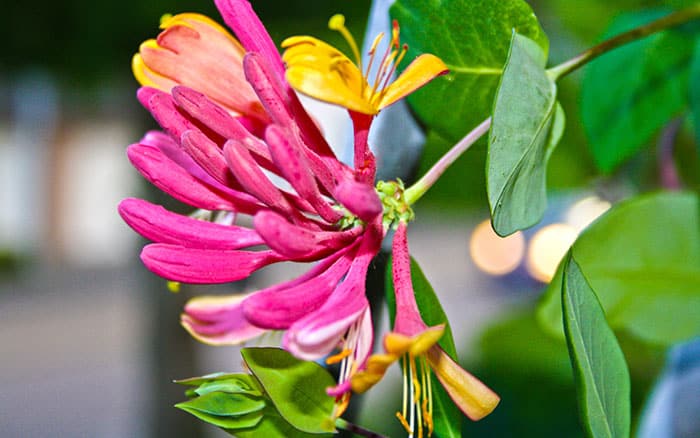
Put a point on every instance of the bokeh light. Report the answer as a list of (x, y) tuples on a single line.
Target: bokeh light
[(493, 254), (547, 247)]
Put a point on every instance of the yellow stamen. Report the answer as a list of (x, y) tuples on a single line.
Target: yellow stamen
[(427, 396), (174, 286), (404, 423), (337, 22), (399, 58), (430, 397), (338, 357), (371, 54), (416, 397)]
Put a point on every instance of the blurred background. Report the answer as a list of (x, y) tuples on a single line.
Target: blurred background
[(90, 341)]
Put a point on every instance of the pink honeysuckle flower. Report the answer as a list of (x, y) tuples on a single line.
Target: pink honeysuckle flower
[(416, 344), (237, 140), (212, 157)]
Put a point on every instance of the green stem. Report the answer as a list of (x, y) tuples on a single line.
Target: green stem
[(414, 193), (354, 428), (671, 20)]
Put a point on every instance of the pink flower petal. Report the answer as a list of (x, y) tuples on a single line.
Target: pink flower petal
[(291, 161), (318, 333), (163, 108), (279, 308), (297, 242), (218, 120), (240, 17), (243, 201), (203, 266), (253, 179), (209, 156), (218, 320), (160, 225), (360, 198), (168, 176)]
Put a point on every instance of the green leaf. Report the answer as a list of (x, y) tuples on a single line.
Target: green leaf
[(274, 426), (472, 37), (629, 94), (297, 388), (695, 92), (242, 384), (527, 125), (196, 381), (223, 382), (600, 371), (446, 416), (225, 410), (642, 258), (223, 404)]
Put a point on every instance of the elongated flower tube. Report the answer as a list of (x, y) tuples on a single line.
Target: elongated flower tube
[(413, 342)]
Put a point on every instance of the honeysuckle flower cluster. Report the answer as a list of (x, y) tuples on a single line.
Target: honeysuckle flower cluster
[(237, 141)]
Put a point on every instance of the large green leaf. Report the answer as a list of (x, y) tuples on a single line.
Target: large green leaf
[(472, 37), (630, 93), (600, 371), (642, 259), (297, 388), (527, 125), (446, 416)]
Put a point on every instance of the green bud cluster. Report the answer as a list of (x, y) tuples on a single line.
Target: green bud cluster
[(396, 208)]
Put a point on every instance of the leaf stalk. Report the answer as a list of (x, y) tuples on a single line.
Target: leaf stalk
[(417, 190)]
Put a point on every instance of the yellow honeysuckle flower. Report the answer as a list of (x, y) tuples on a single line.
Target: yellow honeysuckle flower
[(321, 71)]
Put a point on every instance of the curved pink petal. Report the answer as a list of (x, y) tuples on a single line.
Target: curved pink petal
[(359, 198), (218, 320), (216, 119), (318, 333), (162, 107), (297, 242), (160, 225), (209, 156), (240, 17), (253, 179), (204, 266), (296, 169), (171, 178), (279, 308)]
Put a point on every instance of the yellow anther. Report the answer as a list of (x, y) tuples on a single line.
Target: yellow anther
[(337, 23), (338, 357)]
